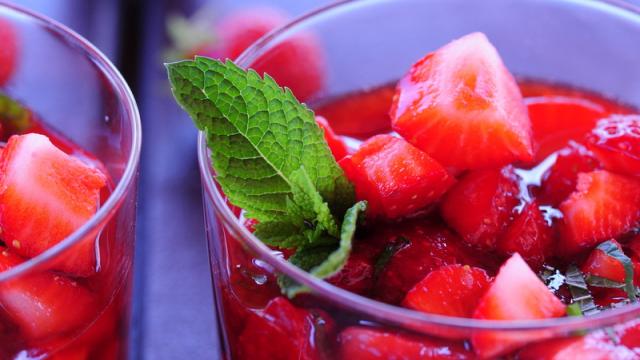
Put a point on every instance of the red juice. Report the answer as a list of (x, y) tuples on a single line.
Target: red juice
[(259, 322)]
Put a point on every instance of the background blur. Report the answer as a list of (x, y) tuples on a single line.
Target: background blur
[(173, 309)]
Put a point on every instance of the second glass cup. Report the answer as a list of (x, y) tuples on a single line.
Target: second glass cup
[(367, 45)]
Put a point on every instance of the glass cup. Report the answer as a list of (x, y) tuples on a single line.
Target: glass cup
[(363, 45), (53, 81)]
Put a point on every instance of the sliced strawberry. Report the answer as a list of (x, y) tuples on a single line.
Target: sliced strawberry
[(43, 304), (8, 51), (452, 290), (394, 177), (556, 120), (427, 247), (337, 146), (600, 264), (604, 206), (515, 294), (45, 195), (281, 331), (356, 275), (529, 235), (74, 353), (480, 206), (461, 105), (585, 347), (360, 115), (362, 343), (560, 180), (239, 30), (616, 143)]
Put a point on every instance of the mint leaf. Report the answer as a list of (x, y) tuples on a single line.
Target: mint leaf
[(611, 249), (598, 281), (259, 136), (574, 310), (579, 291), (325, 261), (15, 118)]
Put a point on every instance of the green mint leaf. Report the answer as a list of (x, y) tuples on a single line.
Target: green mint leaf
[(391, 249), (611, 249), (259, 136), (598, 281), (325, 261), (15, 118), (579, 291), (574, 310)]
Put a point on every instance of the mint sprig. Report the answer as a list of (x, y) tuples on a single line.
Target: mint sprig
[(611, 249), (579, 291), (271, 159)]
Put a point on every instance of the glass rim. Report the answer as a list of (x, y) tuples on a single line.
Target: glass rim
[(404, 317), (124, 94)]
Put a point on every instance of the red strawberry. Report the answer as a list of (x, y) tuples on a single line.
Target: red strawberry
[(462, 106), (427, 248), (556, 120), (600, 264), (240, 30), (560, 180), (8, 51), (452, 290), (604, 206), (616, 143), (515, 294), (362, 343), (361, 115), (395, 178), (337, 146), (43, 304), (282, 331), (73, 353), (480, 206), (45, 195), (583, 347), (356, 275), (529, 235)]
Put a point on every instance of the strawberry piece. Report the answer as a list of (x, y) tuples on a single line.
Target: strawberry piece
[(452, 290), (585, 347), (461, 105), (515, 294), (394, 177), (529, 235), (45, 195), (282, 331), (556, 120), (616, 143), (604, 206), (337, 146), (360, 115), (480, 206), (241, 29), (427, 248), (362, 343), (8, 51), (561, 179), (44, 305), (600, 264), (357, 274)]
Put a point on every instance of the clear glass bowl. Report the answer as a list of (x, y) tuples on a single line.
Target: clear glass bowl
[(63, 81), (363, 44)]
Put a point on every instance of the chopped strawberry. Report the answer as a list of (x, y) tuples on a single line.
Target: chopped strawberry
[(362, 115), (616, 143), (427, 248), (461, 105), (282, 331), (452, 290), (74, 353), (480, 206), (356, 275), (362, 343), (8, 51), (337, 146), (560, 180), (44, 305), (394, 177), (516, 294), (604, 206), (529, 235), (45, 195), (600, 264), (556, 120), (583, 347)]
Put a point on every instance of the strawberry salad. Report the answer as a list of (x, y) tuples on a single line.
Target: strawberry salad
[(458, 192)]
